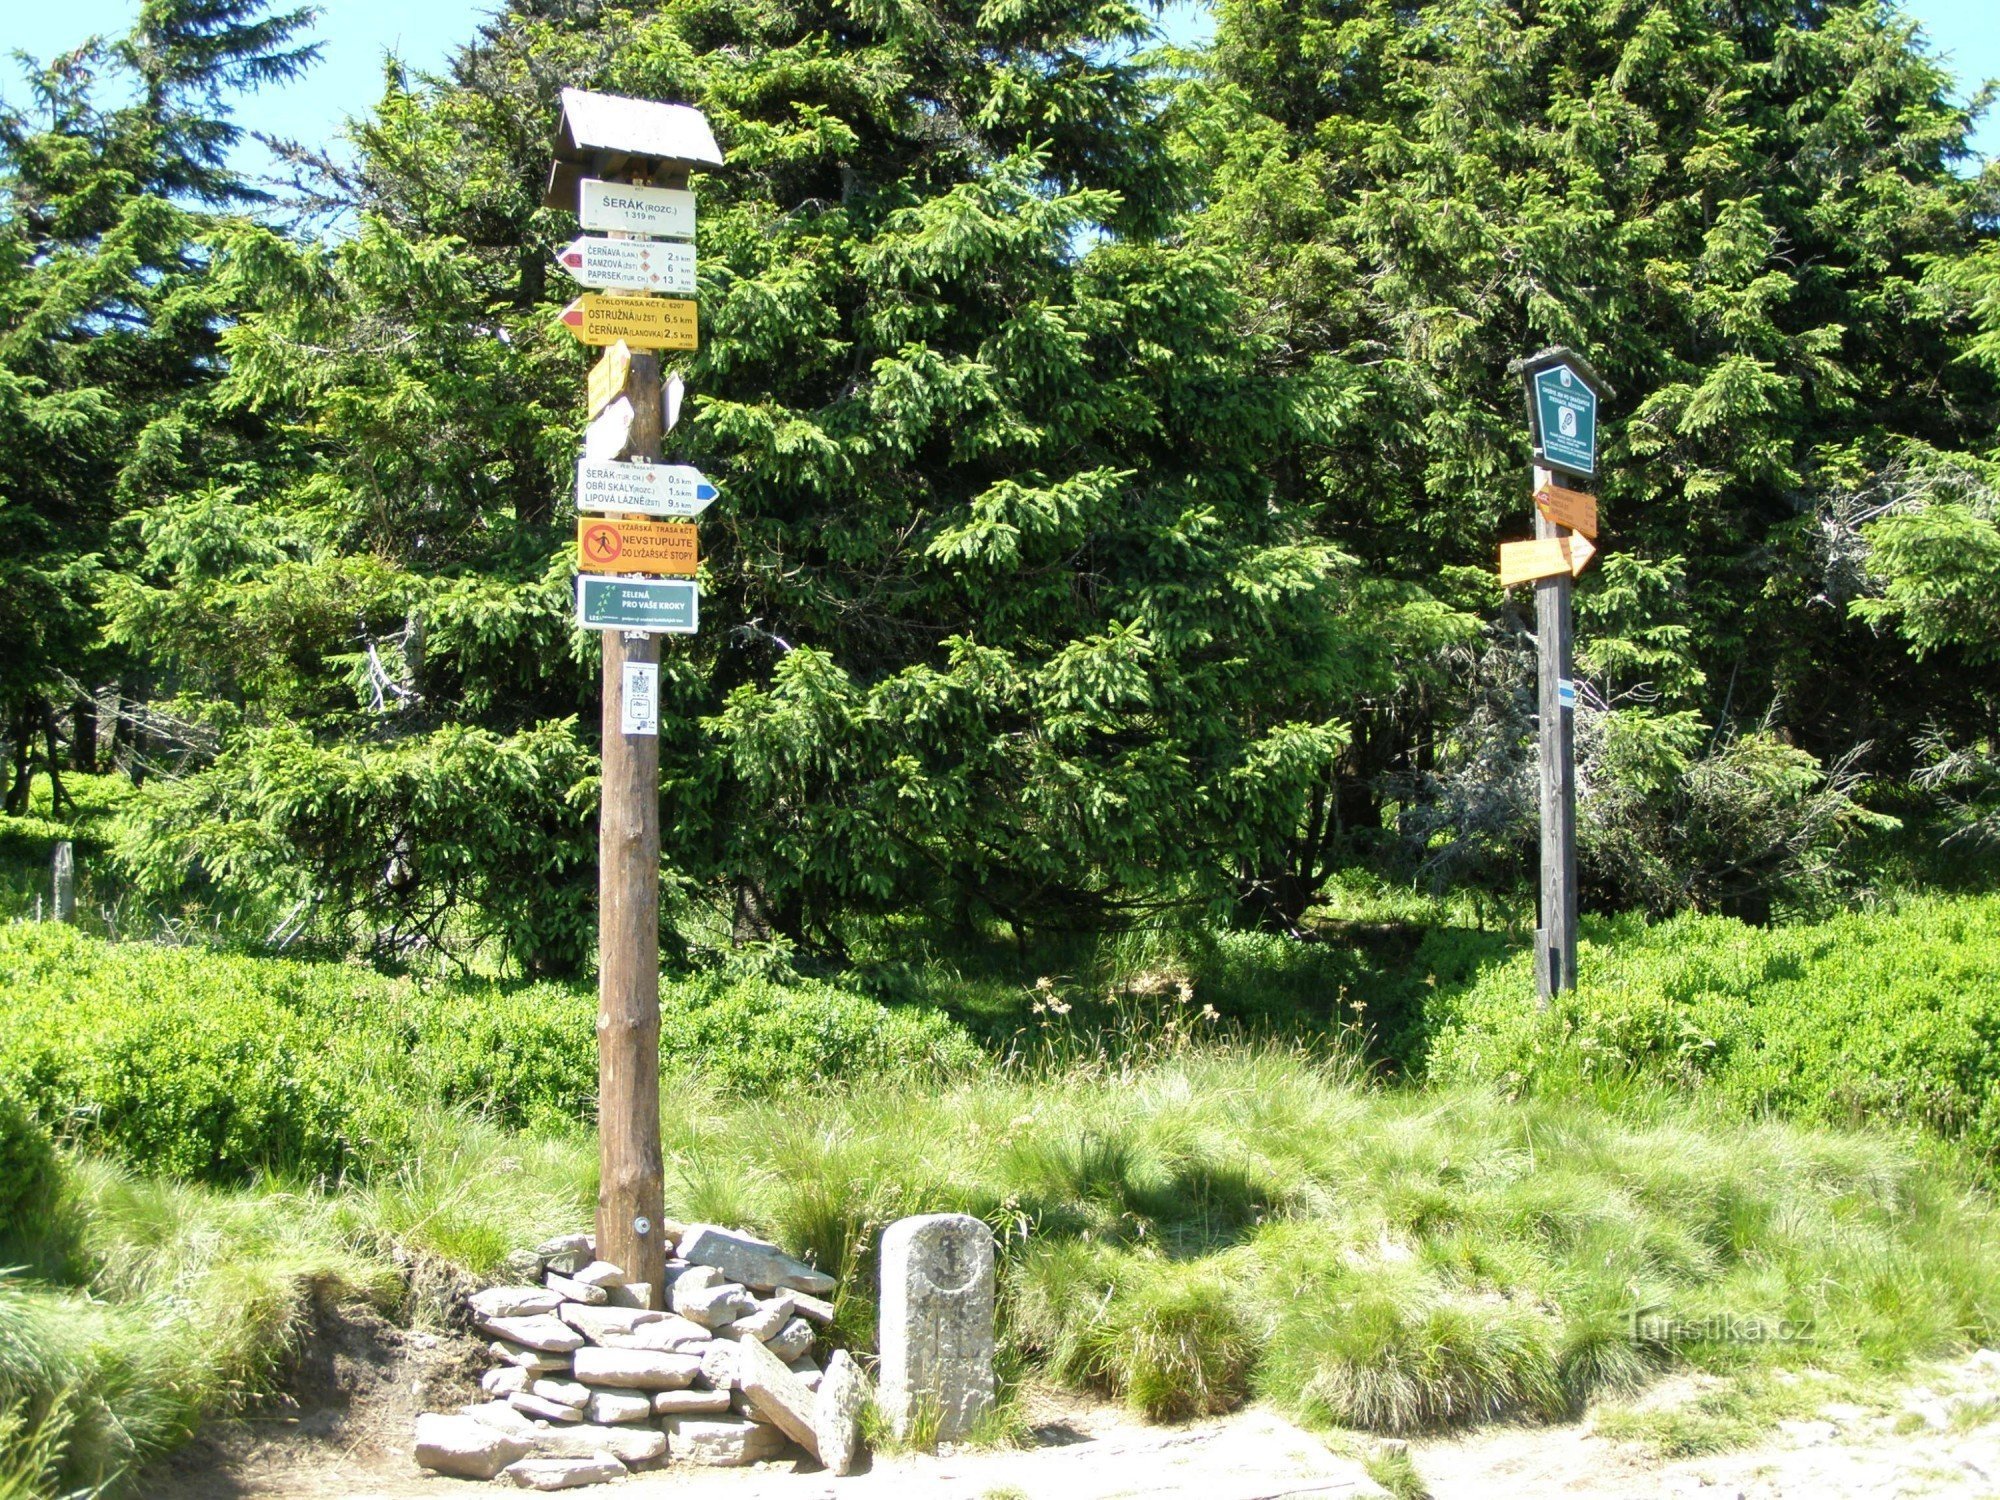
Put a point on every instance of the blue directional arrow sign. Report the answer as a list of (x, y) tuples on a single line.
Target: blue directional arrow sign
[(642, 489)]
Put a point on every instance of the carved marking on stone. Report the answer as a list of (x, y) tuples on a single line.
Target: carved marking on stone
[(937, 1322)]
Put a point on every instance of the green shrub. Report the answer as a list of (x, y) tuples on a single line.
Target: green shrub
[(530, 1056), (759, 1035), (1890, 1016), (522, 1057), (185, 1062), (29, 1174), (218, 1067)]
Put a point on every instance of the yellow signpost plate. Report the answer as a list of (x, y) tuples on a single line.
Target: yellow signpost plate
[(1571, 508), (661, 547), (1546, 557), (607, 376), (641, 322)]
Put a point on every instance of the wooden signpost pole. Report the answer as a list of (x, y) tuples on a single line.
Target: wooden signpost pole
[(1555, 948), (631, 1192), (622, 166), (631, 1173)]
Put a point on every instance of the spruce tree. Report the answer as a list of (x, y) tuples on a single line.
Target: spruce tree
[(999, 614), (107, 325)]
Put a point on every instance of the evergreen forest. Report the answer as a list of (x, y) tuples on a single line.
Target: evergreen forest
[(1114, 441)]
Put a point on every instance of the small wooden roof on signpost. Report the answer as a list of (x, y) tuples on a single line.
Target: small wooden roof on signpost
[(606, 135), (1560, 354)]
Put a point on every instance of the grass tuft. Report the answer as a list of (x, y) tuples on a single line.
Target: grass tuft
[(1395, 1471), (1175, 1341)]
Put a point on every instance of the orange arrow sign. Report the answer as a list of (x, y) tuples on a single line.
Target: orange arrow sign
[(642, 322), (604, 546), (1546, 557), (1571, 508)]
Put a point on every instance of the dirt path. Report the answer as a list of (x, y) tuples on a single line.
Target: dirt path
[(1938, 1436), (1095, 1455)]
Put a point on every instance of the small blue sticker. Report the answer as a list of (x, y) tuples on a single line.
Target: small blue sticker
[(1565, 693)]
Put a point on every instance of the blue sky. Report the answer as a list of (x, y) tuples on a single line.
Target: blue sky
[(357, 33)]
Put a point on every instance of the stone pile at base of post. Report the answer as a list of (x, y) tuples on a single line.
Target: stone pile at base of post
[(593, 1380)]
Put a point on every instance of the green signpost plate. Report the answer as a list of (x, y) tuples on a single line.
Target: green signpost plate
[(659, 606), (1566, 420)]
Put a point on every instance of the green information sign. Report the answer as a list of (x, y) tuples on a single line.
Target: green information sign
[(661, 606), (1566, 420)]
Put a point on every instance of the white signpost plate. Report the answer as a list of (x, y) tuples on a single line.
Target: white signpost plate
[(609, 431), (642, 489), (630, 265), (634, 209), (641, 709)]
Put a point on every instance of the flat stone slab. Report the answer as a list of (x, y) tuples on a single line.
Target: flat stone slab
[(690, 1402), (718, 1366), (535, 1361), (713, 1306), (610, 1408), (568, 1392), (500, 1414), (566, 1253), (568, 1290), (513, 1302), (629, 1445), (670, 1331), (595, 1322), (563, 1473), (836, 1419), (600, 1273), (548, 1334), (791, 1342), (465, 1446), (635, 1369), (528, 1404), (506, 1380), (754, 1262), (817, 1308), (776, 1393), (772, 1314), (723, 1442)]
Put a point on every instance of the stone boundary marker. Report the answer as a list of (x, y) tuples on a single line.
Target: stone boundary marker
[(937, 1323)]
